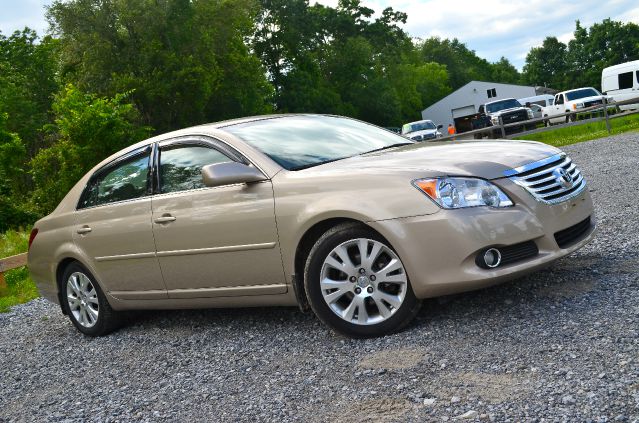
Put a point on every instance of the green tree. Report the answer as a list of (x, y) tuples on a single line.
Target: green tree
[(87, 129), (546, 65), (603, 44), (503, 71), (185, 61), (463, 64), (28, 68), (12, 157)]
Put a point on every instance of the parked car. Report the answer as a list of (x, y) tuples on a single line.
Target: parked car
[(543, 100), (422, 130), (508, 110), (572, 101), (621, 83), (537, 111), (352, 219)]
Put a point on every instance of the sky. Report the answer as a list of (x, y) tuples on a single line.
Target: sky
[(493, 28)]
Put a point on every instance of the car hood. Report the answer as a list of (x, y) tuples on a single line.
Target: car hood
[(484, 159), (586, 99), (424, 132), (501, 112)]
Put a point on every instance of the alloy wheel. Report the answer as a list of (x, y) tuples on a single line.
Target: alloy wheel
[(363, 281), (82, 299)]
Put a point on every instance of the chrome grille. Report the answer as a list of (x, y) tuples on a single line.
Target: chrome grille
[(552, 180)]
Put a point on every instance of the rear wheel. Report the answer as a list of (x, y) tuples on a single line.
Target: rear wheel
[(85, 303), (357, 284)]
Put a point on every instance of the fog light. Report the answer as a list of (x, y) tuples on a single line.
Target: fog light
[(492, 258)]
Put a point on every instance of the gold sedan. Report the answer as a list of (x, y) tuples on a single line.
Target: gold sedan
[(326, 212)]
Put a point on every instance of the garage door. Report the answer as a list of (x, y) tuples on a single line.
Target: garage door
[(464, 111)]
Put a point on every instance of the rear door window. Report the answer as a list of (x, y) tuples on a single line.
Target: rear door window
[(126, 179)]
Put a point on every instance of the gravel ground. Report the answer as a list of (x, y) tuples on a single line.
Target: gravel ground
[(560, 345)]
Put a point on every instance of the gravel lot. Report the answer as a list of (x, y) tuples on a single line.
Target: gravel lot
[(560, 345)]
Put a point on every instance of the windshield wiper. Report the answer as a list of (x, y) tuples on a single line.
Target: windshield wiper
[(399, 144)]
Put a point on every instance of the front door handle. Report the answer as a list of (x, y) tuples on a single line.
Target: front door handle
[(84, 230), (166, 218)]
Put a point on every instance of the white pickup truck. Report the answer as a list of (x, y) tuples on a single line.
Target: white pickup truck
[(572, 101)]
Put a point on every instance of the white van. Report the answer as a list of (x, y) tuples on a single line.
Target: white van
[(621, 82), (543, 100)]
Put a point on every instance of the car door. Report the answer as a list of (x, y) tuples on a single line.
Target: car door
[(213, 241), (558, 109), (113, 228)]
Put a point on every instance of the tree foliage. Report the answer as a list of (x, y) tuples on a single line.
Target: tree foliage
[(87, 129), (185, 60), (580, 62)]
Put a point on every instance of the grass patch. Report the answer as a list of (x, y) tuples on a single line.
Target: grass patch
[(20, 288), (586, 132)]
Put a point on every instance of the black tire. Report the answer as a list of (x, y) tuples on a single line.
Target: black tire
[(324, 245), (108, 319)]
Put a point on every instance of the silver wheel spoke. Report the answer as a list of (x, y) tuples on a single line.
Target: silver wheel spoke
[(349, 312), (362, 314), (369, 260), (382, 307), (93, 300), (399, 278), (334, 296), (74, 303), (348, 266), (392, 266), (75, 285), (92, 313), (330, 261), (393, 300), (84, 319)]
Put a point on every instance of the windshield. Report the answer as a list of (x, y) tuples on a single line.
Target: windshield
[(582, 93), (296, 142), (418, 126), (510, 103)]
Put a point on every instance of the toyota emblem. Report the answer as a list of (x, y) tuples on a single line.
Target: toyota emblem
[(563, 178)]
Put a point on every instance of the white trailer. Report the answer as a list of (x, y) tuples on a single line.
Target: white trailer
[(621, 82)]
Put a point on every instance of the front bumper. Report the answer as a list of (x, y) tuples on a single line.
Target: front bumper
[(439, 251)]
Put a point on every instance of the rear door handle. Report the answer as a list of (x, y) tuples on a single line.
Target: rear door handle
[(84, 230), (167, 218)]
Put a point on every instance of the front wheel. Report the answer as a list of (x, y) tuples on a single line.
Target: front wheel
[(85, 303), (356, 283)]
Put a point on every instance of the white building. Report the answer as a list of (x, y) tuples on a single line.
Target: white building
[(460, 106)]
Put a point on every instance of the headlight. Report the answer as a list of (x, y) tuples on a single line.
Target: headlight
[(530, 114), (458, 193), (579, 106)]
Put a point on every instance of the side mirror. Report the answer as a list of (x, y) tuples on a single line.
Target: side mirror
[(218, 174), (440, 126)]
